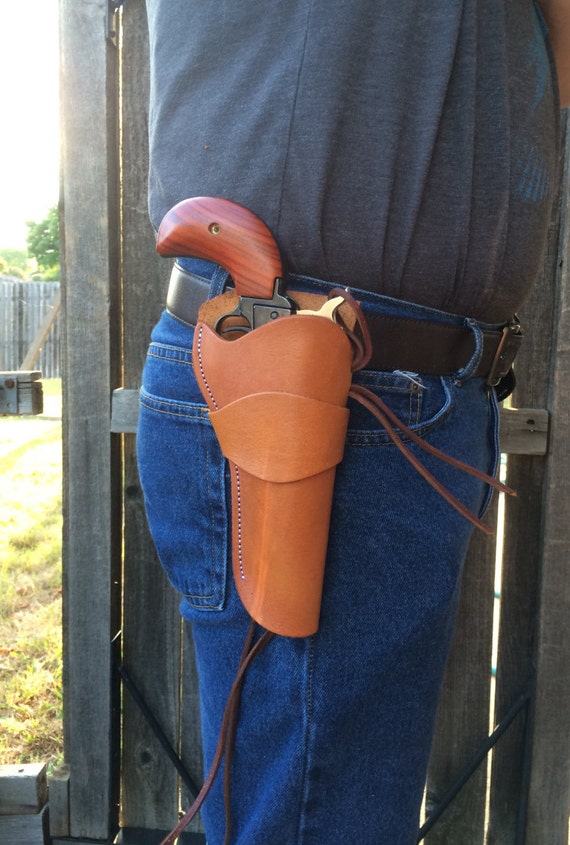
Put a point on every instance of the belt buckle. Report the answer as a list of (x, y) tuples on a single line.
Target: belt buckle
[(506, 353)]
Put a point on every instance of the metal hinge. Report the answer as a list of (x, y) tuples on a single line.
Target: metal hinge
[(111, 19), (21, 392), (8, 396)]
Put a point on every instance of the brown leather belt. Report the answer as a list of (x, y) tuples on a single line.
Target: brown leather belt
[(398, 343)]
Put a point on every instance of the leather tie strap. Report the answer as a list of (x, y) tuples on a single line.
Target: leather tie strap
[(225, 739), (391, 423)]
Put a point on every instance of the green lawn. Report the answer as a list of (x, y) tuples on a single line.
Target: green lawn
[(30, 586)]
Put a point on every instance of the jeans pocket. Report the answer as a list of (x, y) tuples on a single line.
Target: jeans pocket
[(419, 403), (459, 420), (183, 479)]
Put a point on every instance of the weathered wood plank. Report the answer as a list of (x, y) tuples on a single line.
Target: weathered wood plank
[(75, 841), (463, 716), (524, 431), (23, 788), (92, 470), (151, 653), (125, 411), (42, 333), (28, 829), (143, 836), (190, 733), (514, 662), (22, 308), (549, 789), (58, 787), (520, 566)]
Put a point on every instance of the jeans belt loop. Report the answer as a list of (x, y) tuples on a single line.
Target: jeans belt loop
[(471, 366), (219, 281)]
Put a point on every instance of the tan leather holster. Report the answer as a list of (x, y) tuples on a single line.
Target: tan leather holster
[(277, 401)]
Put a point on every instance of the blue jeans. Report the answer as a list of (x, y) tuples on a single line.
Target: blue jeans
[(335, 730)]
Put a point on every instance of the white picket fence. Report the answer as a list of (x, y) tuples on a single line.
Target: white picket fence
[(23, 306)]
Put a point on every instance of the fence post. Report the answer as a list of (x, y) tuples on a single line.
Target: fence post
[(549, 790), (522, 561), (92, 470), (151, 653)]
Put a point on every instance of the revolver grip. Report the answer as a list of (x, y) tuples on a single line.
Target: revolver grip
[(228, 234)]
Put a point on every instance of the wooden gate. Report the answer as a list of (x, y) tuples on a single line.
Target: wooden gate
[(25, 307), (126, 652)]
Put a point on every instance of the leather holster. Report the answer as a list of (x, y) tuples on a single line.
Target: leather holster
[(277, 401)]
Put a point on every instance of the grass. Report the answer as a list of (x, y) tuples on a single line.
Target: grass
[(30, 587)]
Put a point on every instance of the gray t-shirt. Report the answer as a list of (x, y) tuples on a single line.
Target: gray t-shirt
[(409, 147)]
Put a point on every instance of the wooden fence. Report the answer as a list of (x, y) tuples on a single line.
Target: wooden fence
[(23, 307), (125, 647)]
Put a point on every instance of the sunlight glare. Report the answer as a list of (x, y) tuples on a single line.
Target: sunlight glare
[(29, 96)]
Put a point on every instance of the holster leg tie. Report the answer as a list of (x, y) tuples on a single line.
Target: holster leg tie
[(225, 738)]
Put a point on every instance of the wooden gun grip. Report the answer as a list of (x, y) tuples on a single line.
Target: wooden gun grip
[(228, 234)]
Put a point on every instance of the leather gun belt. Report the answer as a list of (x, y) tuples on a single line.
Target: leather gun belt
[(414, 346)]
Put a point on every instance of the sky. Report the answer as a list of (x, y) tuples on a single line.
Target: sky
[(29, 116)]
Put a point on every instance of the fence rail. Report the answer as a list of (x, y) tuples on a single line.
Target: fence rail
[(23, 307)]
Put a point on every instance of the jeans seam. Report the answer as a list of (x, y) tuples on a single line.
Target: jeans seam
[(198, 415), (495, 446), (167, 352), (307, 741), (170, 359)]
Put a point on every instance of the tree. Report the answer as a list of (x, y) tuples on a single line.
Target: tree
[(14, 262), (43, 244)]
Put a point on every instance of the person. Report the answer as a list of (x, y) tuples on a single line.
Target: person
[(410, 152)]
